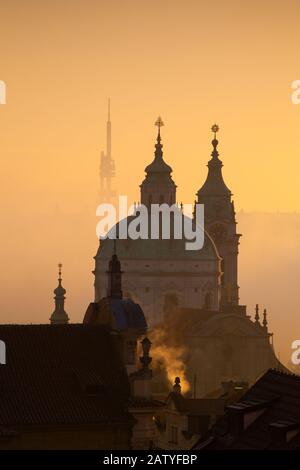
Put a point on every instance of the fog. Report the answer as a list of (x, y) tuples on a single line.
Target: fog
[(32, 246)]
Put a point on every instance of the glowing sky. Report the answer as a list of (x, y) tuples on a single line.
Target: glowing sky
[(191, 61)]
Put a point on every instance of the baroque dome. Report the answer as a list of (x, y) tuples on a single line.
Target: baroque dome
[(155, 249)]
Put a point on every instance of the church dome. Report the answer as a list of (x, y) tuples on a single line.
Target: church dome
[(158, 166), (155, 249)]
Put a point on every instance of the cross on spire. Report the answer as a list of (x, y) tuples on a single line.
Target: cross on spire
[(159, 123)]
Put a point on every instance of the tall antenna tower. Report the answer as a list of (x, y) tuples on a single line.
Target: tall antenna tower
[(107, 166)]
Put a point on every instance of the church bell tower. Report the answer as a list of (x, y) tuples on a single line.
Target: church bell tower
[(220, 223), (158, 186)]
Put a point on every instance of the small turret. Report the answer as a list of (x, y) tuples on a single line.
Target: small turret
[(59, 316), (158, 186), (114, 277)]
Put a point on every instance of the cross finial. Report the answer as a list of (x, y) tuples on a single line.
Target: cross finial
[(159, 123), (215, 128)]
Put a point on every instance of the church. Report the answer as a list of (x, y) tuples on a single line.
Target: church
[(192, 297)]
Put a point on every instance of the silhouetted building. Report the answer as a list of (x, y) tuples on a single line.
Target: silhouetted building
[(127, 323), (221, 224), (218, 346), (192, 295), (142, 404), (123, 316), (63, 387), (183, 421), (160, 272), (67, 386), (59, 316), (266, 418)]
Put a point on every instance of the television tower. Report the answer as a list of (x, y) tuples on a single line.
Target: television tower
[(107, 166)]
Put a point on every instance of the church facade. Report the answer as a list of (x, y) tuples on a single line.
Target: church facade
[(160, 272), (193, 296)]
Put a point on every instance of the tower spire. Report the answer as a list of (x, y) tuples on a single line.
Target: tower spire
[(214, 184), (114, 272), (59, 316), (220, 222), (158, 186), (215, 154), (158, 146)]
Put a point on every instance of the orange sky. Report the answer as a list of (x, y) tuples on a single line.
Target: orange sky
[(193, 62)]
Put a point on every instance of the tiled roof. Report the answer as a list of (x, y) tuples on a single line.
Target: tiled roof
[(61, 374), (276, 399)]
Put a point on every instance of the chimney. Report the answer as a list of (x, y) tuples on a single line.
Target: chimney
[(141, 380), (177, 386)]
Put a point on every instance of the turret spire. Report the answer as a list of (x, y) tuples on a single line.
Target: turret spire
[(114, 277), (220, 222), (215, 154), (159, 123), (158, 186), (59, 316), (214, 184), (158, 146)]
